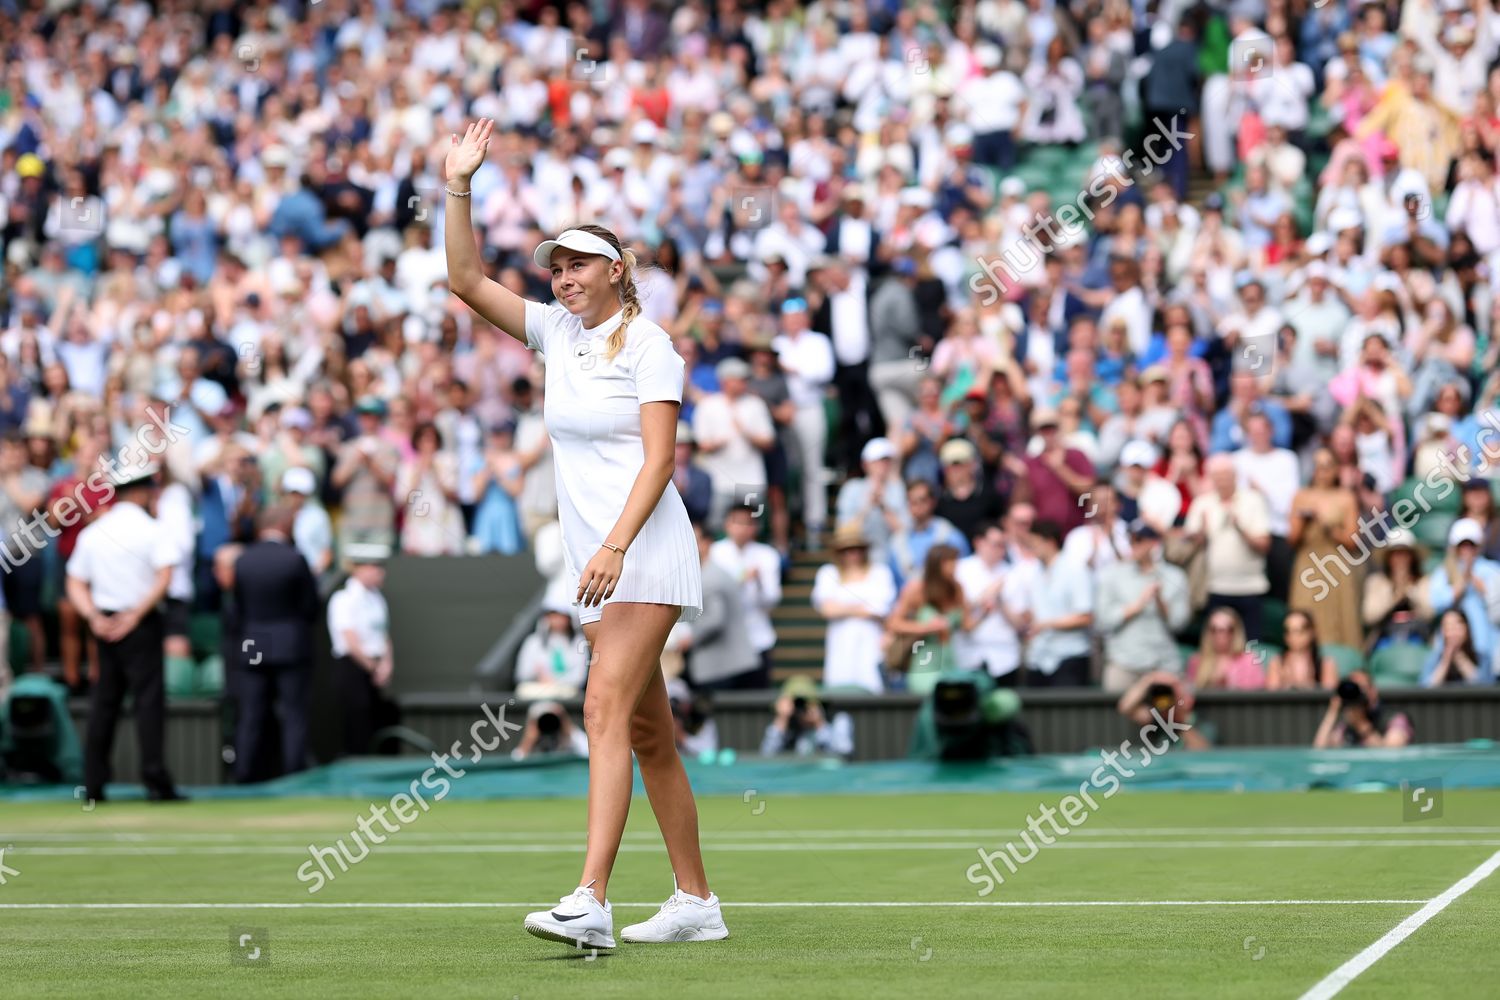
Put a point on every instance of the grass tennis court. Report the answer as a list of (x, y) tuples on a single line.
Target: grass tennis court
[(1188, 894)]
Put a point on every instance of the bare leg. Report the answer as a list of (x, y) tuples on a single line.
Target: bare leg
[(781, 521), (653, 737), (38, 642), (627, 644), (70, 641)]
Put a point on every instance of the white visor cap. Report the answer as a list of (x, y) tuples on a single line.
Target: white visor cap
[(573, 239)]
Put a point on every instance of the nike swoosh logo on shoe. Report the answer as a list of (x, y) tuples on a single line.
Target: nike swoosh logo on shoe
[(565, 919)]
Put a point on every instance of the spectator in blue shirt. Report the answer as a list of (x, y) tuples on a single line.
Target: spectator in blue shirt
[(909, 546), (1469, 582), (1228, 429)]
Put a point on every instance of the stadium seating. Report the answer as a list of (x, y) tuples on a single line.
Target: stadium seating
[(1348, 658), (1398, 664)]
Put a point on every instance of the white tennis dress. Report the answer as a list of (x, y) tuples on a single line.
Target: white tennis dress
[(592, 409)]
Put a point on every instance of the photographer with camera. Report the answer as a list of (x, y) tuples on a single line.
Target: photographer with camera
[(692, 719), (1355, 718), (1168, 696), (802, 725), (549, 729)]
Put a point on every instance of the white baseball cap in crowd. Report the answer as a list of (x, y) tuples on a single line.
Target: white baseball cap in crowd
[(299, 480), (1138, 453), (366, 553), (1465, 529), (134, 472), (877, 448), (573, 239), (1343, 218), (296, 418), (1318, 243), (732, 368)]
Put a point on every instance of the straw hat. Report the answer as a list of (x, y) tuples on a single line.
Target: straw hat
[(849, 536)]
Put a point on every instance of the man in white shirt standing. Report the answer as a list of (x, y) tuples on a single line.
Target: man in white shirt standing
[(359, 627), (847, 319), (1000, 590), (1275, 474), (116, 579), (806, 358), (1103, 538), (757, 568), (1058, 640), (1234, 526), (732, 428), (992, 106)]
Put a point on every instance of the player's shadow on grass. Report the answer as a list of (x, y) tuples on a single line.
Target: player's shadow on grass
[(576, 956)]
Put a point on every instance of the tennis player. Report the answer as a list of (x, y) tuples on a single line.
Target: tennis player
[(613, 391)]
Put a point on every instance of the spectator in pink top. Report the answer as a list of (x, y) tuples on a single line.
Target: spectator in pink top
[(1222, 661)]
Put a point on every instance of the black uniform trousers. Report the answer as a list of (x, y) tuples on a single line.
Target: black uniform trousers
[(286, 690), (365, 707), (132, 665)]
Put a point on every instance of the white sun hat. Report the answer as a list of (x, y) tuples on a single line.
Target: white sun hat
[(573, 239)]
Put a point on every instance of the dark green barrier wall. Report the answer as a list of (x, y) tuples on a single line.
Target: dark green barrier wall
[(1060, 722), (446, 613)]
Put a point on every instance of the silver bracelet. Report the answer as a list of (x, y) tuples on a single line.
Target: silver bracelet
[(457, 194)]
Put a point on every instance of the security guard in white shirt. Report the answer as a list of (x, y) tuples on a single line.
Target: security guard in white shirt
[(359, 627), (117, 578)]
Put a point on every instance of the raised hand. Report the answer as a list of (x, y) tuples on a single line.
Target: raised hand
[(467, 154)]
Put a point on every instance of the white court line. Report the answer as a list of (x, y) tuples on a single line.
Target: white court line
[(853, 905), (1412, 829), (137, 850), (1346, 973)]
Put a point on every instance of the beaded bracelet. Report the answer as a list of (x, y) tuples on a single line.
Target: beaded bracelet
[(457, 194)]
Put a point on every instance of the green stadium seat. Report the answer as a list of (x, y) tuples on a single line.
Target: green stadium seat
[(1431, 529), (1348, 658), (20, 648), (1273, 622), (210, 680), (181, 678), (204, 631), (1434, 503), (1400, 664)]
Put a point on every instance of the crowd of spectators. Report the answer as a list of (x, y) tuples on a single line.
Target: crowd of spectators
[(1201, 410)]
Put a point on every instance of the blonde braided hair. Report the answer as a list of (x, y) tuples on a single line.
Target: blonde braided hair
[(628, 294)]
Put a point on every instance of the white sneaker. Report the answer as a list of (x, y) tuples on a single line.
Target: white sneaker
[(578, 920), (681, 918)]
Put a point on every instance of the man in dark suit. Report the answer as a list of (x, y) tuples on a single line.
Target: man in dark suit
[(276, 600)]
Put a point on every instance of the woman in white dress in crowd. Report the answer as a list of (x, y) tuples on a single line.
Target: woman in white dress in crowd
[(855, 596), (613, 392)]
